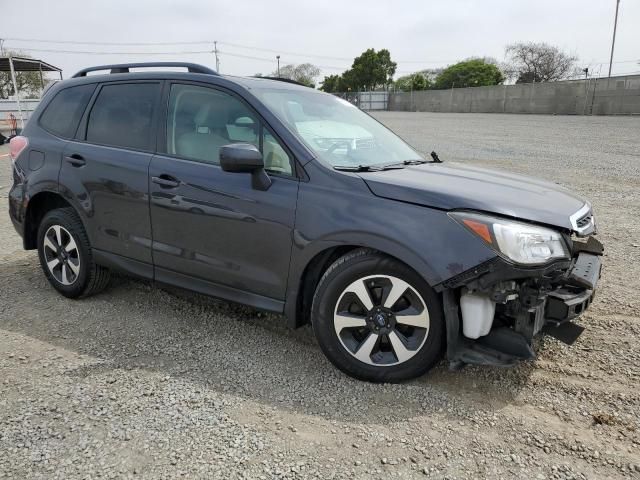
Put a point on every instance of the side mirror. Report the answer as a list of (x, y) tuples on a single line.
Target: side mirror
[(245, 158)]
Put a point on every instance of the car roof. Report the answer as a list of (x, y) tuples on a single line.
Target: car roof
[(261, 82), (122, 71), (248, 83)]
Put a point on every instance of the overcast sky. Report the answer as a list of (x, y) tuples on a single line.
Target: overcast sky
[(329, 33)]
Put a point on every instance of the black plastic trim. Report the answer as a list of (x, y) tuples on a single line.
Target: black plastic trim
[(231, 294), (123, 264)]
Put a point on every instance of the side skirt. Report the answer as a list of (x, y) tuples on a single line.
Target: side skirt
[(223, 292), (122, 264), (145, 271)]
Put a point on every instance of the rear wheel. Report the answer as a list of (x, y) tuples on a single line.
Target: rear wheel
[(376, 319), (65, 255)]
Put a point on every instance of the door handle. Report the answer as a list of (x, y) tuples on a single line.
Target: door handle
[(75, 160), (166, 181)]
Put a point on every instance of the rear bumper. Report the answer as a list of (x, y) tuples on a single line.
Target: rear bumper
[(16, 208)]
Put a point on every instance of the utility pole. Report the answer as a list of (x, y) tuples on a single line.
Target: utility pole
[(1, 47), (215, 50), (613, 41), (278, 58)]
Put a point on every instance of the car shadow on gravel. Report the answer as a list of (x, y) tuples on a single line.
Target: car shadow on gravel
[(232, 349)]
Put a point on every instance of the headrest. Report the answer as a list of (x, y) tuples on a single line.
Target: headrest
[(212, 115)]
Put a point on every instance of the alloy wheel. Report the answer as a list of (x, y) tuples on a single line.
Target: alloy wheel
[(381, 320), (61, 255)]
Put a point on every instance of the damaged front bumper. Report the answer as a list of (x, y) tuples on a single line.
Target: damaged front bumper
[(494, 311)]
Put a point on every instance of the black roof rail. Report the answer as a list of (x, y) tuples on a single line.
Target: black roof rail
[(286, 80), (124, 68)]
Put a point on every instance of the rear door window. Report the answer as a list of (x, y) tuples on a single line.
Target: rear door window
[(62, 115), (122, 116)]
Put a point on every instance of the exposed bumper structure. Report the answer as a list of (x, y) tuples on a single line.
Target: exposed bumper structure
[(527, 302)]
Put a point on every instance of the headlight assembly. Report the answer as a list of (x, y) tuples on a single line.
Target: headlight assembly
[(520, 242)]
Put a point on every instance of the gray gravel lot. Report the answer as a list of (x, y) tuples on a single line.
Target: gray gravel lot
[(142, 382)]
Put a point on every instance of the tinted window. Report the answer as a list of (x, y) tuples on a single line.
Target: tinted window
[(63, 113), (122, 115), (201, 120)]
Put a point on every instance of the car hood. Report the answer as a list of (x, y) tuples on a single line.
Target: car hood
[(455, 186)]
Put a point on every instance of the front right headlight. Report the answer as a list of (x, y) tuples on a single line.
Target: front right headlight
[(520, 242)]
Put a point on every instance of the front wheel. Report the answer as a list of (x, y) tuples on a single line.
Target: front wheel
[(376, 319)]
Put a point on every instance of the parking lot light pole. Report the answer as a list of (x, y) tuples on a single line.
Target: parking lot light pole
[(278, 58), (613, 41)]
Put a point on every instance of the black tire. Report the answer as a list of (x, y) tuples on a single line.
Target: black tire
[(359, 264), (91, 278)]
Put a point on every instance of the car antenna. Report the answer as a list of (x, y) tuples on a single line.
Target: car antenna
[(435, 157)]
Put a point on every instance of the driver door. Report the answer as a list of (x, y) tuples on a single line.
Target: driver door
[(212, 231)]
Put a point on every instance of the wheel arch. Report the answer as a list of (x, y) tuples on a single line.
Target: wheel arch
[(39, 205), (304, 280)]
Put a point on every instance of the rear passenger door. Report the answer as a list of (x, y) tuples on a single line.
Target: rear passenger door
[(212, 231), (106, 168)]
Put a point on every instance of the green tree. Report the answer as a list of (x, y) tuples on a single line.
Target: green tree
[(372, 69), (474, 72), (331, 84), (28, 82), (414, 81)]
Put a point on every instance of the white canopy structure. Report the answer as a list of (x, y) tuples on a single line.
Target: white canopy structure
[(19, 64)]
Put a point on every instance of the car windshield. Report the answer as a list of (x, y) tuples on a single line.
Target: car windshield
[(337, 131)]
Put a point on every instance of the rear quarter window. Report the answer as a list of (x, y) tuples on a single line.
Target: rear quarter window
[(62, 115)]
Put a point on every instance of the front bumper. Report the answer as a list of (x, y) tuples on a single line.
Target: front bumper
[(563, 305), (528, 302), (573, 298)]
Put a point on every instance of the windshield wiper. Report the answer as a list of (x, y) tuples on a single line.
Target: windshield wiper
[(420, 161), (366, 168)]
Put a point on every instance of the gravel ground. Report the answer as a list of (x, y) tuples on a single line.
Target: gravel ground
[(140, 382)]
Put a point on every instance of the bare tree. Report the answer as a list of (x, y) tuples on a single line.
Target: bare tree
[(538, 62), (305, 73)]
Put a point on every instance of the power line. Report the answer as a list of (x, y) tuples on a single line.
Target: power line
[(282, 52), (207, 42), (92, 52), (212, 51), (185, 52), (112, 44)]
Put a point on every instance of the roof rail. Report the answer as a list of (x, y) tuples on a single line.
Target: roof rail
[(124, 68)]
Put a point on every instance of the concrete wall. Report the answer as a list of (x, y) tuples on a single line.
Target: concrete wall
[(597, 96)]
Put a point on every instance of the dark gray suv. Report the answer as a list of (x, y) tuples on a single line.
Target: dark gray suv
[(290, 200)]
